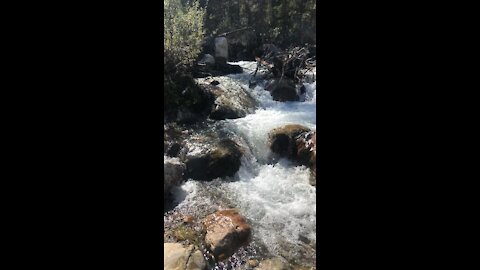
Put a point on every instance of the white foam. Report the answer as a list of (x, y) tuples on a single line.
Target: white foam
[(279, 201)]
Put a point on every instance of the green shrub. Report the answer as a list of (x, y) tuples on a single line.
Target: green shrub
[(183, 34)]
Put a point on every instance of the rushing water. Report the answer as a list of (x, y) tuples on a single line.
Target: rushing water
[(276, 198)]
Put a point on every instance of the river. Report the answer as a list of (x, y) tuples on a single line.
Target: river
[(274, 196)]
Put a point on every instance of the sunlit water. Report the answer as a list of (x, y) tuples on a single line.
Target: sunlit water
[(276, 198)]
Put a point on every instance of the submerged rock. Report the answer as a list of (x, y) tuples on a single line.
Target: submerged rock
[(173, 171), (226, 231), (222, 160), (178, 257), (273, 264)]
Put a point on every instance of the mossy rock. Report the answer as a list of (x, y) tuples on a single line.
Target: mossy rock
[(185, 232), (181, 93)]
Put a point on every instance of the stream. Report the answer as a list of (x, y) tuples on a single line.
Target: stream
[(274, 196)]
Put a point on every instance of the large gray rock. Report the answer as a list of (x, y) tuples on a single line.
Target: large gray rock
[(231, 100), (173, 173), (178, 257), (226, 231), (221, 49)]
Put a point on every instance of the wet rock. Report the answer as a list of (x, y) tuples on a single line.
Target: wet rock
[(282, 140), (185, 232), (222, 160), (297, 143), (306, 145), (273, 264), (225, 159), (231, 101), (226, 231), (303, 89), (178, 257), (283, 90), (173, 173), (224, 109), (174, 150)]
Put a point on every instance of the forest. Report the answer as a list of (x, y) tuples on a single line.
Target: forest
[(191, 26)]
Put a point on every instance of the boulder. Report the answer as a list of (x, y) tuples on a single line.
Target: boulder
[(187, 102), (282, 140), (178, 257), (231, 100), (173, 171), (221, 50), (226, 231), (220, 161), (283, 90), (297, 143)]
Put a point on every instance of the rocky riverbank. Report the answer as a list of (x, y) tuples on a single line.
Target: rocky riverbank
[(240, 175)]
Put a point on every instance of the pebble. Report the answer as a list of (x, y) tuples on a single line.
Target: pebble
[(252, 263), (188, 219)]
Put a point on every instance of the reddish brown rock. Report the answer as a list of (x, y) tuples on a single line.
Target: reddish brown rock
[(188, 219), (297, 143), (282, 139), (306, 145), (227, 231)]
